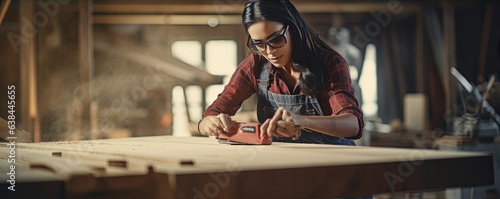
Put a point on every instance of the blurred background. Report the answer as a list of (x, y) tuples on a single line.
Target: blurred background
[(104, 69), (424, 71)]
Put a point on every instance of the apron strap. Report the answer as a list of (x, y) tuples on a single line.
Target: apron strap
[(265, 75)]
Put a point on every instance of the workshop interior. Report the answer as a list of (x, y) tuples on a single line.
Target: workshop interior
[(108, 77)]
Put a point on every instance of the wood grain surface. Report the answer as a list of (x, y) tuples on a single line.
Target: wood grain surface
[(200, 167)]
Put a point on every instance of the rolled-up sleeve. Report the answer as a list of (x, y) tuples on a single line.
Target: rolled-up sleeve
[(339, 91)]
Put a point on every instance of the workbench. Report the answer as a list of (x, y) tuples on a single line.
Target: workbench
[(200, 167), (457, 143)]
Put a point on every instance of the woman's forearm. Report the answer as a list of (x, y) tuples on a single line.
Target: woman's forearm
[(343, 125)]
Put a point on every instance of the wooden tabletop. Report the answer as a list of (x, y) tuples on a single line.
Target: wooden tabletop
[(200, 167)]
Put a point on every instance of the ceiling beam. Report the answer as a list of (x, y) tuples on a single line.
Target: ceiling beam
[(168, 19), (224, 9)]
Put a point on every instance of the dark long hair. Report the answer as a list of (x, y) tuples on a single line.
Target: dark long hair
[(307, 44)]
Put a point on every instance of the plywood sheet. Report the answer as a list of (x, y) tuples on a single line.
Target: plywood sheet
[(199, 167)]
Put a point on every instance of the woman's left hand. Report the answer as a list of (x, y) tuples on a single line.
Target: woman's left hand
[(283, 124)]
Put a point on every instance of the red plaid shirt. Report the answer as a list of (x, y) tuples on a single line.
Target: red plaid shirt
[(336, 98)]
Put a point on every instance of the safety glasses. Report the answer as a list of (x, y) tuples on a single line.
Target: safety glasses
[(277, 41)]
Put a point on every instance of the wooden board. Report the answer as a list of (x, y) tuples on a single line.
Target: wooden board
[(19, 135), (197, 167)]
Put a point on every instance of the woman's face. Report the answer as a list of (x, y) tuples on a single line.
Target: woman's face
[(262, 31)]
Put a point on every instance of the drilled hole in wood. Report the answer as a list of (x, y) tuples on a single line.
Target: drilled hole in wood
[(117, 163), (187, 163), (151, 169)]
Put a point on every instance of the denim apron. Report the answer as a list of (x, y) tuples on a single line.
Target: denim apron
[(268, 103)]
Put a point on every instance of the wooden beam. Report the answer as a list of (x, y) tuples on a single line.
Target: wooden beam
[(167, 19), (86, 63), (237, 8), (485, 38), (3, 10), (340, 7), (168, 8), (419, 53)]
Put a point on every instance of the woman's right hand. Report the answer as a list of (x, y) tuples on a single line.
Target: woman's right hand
[(213, 125)]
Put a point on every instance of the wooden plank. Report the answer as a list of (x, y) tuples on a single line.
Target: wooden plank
[(3, 10), (246, 171), (19, 135), (78, 176), (485, 38), (41, 182)]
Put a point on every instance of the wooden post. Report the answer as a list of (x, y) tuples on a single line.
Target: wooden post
[(388, 69), (419, 52), (203, 99), (203, 54), (85, 44), (169, 108), (186, 104), (398, 64), (27, 64), (449, 54), (485, 38), (419, 66), (203, 87)]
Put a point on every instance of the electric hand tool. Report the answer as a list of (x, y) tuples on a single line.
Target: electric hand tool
[(244, 133)]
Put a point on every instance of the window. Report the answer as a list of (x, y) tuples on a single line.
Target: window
[(188, 51), (221, 59), (368, 82)]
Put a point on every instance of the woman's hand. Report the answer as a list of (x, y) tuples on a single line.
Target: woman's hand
[(213, 125), (283, 124)]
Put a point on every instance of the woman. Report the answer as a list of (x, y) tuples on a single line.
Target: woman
[(303, 85)]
